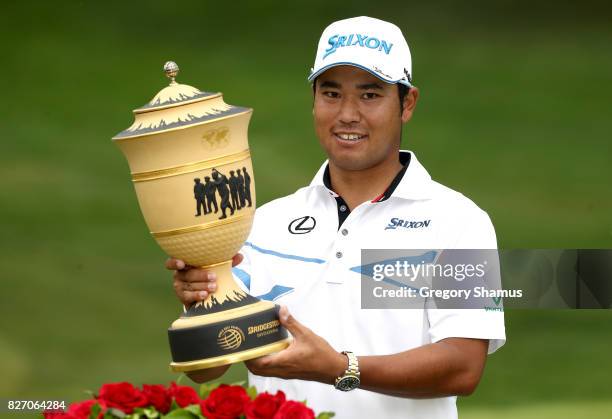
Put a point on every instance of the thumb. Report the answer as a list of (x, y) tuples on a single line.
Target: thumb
[(237, 259), (296, 328)]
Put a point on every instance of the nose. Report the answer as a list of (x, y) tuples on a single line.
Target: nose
[(349, 111)]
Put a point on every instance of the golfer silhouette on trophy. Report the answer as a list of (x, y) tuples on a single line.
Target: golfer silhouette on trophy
[(209, 191), (240, 184), (221, 183), (198, 194), (234, 184), (247, 186)]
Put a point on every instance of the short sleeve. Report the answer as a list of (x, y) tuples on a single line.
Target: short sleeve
[(478, 233), (467, 323)]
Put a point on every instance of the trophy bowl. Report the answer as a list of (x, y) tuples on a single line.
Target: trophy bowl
[(191, 167)]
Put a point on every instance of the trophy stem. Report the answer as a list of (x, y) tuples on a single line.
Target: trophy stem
[(226, 286), (227, 296)]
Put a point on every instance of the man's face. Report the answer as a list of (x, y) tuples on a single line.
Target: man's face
[(357, 118)]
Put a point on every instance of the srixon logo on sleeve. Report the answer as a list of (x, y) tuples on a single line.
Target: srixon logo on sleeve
[(398, 222), (359, 40)]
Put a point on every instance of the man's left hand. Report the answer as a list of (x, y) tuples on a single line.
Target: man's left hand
[(308, 357)]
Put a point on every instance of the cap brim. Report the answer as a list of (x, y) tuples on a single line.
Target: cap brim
[(320, 71)]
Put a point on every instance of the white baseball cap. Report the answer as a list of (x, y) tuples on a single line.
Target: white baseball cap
[(373, 45)]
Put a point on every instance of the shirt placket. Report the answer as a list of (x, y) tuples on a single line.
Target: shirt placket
[(345, 242)]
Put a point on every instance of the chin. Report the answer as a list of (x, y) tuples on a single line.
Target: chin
[(349, 163)]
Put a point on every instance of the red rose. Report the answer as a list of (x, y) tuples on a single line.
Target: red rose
[(57, 414), (225, 402), (265, 405), (123, 396), (83, 409), (158, 396), (294, 410), (184, 395)]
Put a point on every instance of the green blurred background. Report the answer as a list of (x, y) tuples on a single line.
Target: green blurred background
[(514, 112)]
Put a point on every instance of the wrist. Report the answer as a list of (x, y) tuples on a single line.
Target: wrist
[(349, 380), (338, 365)]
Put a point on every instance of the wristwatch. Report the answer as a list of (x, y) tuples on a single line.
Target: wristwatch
[(350, 379)]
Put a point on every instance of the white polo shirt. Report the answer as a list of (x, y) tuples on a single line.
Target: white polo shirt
[(312, 266)]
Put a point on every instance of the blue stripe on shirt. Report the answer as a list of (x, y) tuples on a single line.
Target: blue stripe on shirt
[(283, 255), (243, 276), (277, 291)]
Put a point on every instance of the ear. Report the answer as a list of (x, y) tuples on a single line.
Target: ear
[(410, 101)]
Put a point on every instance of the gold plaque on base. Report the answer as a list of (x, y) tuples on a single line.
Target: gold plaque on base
[(191, 167)]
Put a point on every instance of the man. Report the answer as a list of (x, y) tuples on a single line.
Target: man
[(240, 185), (198, 194), (234, 184), (209, 191), (220, 181), (304, 251), (247, 186)]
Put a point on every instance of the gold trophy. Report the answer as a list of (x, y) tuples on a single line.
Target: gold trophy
[(189, 158)]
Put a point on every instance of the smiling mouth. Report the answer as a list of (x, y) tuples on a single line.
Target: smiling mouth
[(350, 137)]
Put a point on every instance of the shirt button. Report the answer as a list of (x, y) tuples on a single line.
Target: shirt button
[(338, 255), (342, 208), (344, 231)]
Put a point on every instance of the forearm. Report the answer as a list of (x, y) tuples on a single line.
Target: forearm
[(434, 370), (452, 366)]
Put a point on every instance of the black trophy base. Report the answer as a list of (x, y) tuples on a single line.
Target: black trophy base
[(226, 337)]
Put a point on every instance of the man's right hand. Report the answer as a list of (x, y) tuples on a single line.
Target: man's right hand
[(193, 284)]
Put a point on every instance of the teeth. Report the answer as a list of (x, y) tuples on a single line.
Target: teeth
[(350, 136)]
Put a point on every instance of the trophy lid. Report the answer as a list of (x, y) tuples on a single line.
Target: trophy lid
[(177, 106)]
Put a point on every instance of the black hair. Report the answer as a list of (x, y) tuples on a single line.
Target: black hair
[(402, 91)]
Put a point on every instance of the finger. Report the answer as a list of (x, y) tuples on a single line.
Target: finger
[(296, 328), (258, 362), (190, 297), (209, 287), (281, 364), (181, 284), (175, 264), (271, 360), (260, 365), (192, 288), (198, 275), (237, 259)]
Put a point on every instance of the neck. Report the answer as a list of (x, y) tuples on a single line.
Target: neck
[(359, 186)]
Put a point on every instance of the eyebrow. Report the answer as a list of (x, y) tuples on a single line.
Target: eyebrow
[(336, 85), (331, 84), (369, 86)]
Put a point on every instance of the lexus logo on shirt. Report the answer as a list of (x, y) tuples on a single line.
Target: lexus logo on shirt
[(302, 225)]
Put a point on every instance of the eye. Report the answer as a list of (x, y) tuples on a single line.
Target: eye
[(331, 94), (370, 95)]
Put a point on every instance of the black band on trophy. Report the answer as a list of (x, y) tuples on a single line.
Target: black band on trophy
[(227, 336)]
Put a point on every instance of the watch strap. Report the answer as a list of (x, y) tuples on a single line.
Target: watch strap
[(351, 371), (353, 363)]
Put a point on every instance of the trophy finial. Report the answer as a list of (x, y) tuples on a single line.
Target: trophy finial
[(171, 69)]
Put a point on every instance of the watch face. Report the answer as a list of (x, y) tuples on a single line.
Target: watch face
[(348, 383)]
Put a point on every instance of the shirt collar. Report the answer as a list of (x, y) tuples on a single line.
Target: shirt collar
[(415, 184)]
